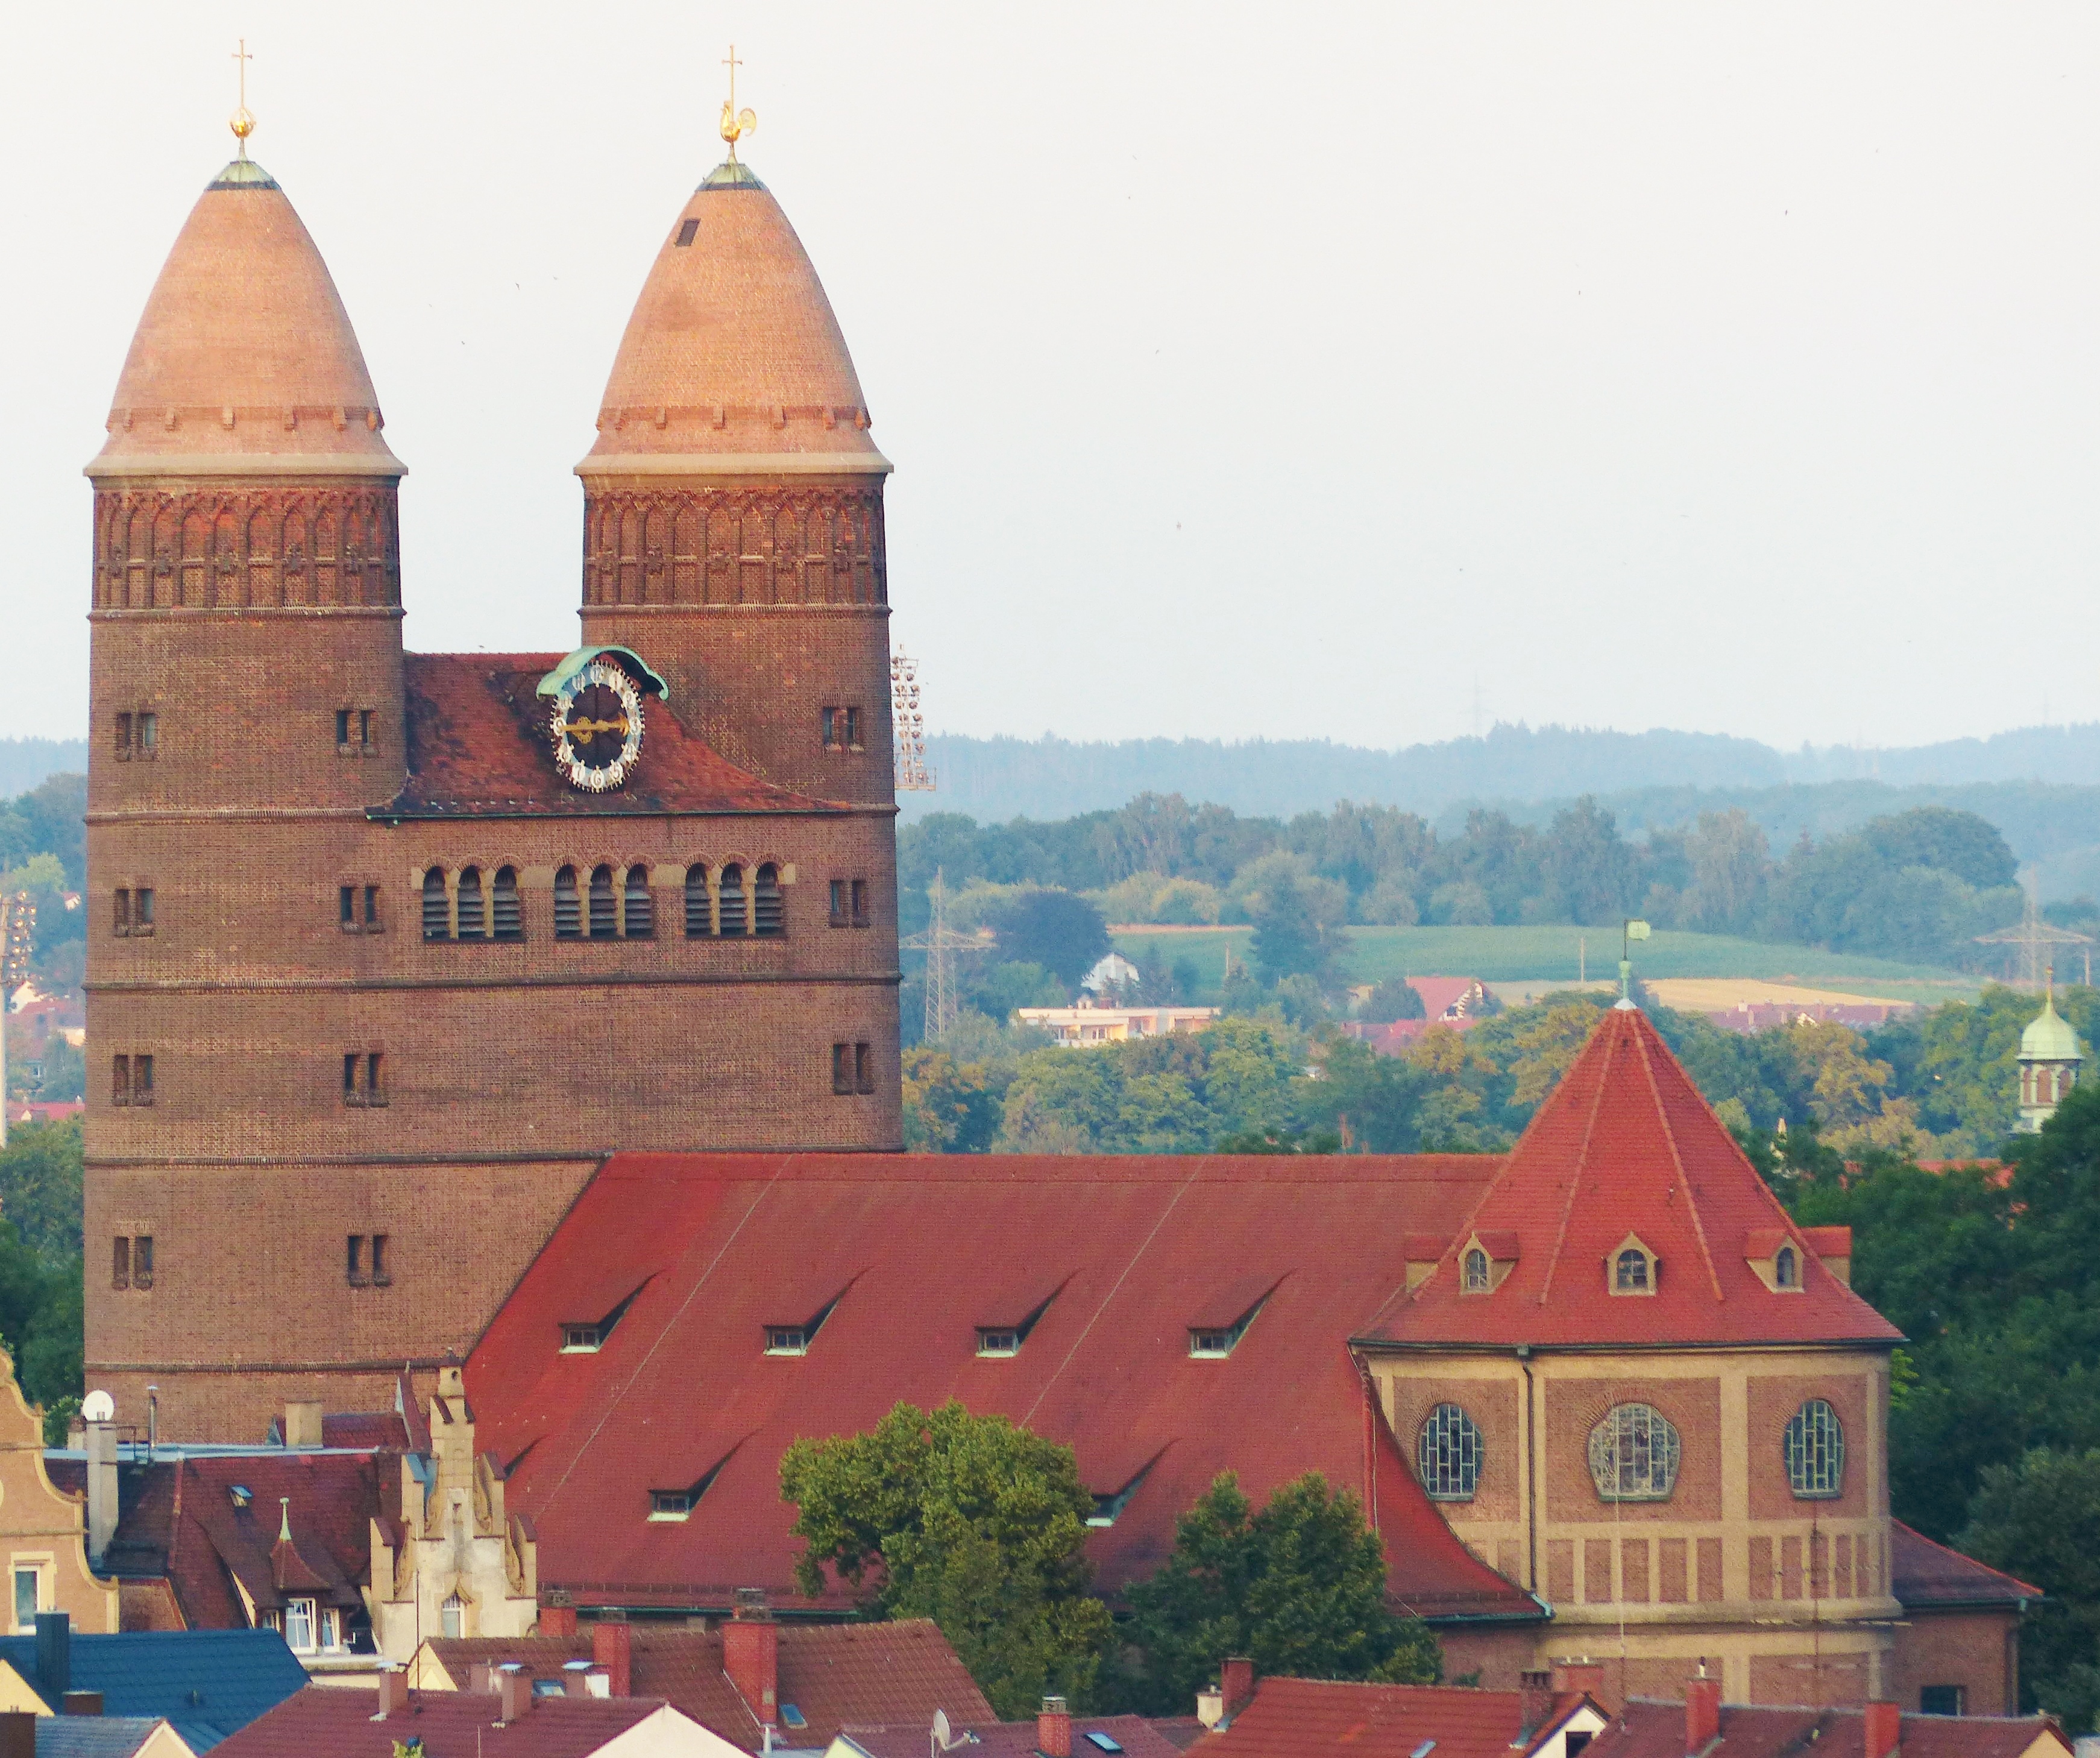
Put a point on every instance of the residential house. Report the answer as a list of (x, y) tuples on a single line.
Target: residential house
[(89, 1735), (1646, 1728), (1056, 1733), (1090, 1024), (1548, 1716)]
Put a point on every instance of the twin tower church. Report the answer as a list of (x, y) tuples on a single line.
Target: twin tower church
[(539, 1009)]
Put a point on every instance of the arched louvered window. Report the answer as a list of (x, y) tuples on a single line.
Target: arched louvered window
[(604, 905), (768, 908), (1474, 1276), (508, 908), (1815, 1451), (1633, 1455), (472, 920), (568, 906), (639, 923), (1447, 1454), (732, 901), (1786, 1268), (1633, 1267), (699, 908), (437, 906)]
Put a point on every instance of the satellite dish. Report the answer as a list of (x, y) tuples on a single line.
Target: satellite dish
[(99, 1407), (940, 1729)]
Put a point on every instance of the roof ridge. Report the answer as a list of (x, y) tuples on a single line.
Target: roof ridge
[(1677, 1160), (1582, 1160)]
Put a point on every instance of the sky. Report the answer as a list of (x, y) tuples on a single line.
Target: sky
[(1357, 371)]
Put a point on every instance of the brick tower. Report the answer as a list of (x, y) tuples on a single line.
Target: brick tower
[(388, 950)]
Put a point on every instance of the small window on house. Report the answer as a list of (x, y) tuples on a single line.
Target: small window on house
[(1943, 1699), (342, 729), (768, 908), (472, 921), (1476, 1278), (1210, 1343), (1103, 1742), (131, 1080), (787, 1340), (1816, 1452), (437, 906), (299, 1625), (604, 906), (699, 911), (364, 1077), (142, 910), (1447, 1454), (731, 898), (26, 1581), (640, 921), (581, 1339), (687, 232), (793, 1717), (568, 906), (1635, 1273), (840, 895), (346, 907), (451, 1616), (353, 1270), (375, 1082), (1786, 1268), (507, 909), (670, 1505), (329, 1632), (1634, 1453), (1000, 1343), (353, 1088), (142, 1261), (123, 738), (149, 736), (120, 1263)]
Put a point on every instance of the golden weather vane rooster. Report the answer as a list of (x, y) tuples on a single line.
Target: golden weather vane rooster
[(735, 123)]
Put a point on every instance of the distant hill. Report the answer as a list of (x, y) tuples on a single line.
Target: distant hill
[(24, 763)]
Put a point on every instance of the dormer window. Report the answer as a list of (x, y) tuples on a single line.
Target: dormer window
[(1786, 1268), (1485, 1260), (670, 1505), (581, 1339), (999, 1343), (1775, 1256), (1633, 1267), (1476, 1277), (787, 1340)]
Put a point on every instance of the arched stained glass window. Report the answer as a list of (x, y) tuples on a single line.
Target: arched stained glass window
[(1473, 1277), (1447, 1454), (1633, 1455), (1815, 1451)]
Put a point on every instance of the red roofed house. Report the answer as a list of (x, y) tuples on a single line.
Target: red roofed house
[(1647, 1729), (1549, 1716)]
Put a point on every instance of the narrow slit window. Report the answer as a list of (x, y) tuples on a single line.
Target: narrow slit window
[(120, 915), (852, 728), (568, 906), (768, 906), (1786, 1268), (342, 729), (364, 730), (353, 1270), (699, 911), (142, 1261), (123, 738), (472, 921), (141, 1080), (120, 1080), (353, 1092), (375, 1078), (142, 910), (864, 1068), (732, 902), (381, 1276), (839, 905), (346, 907), (640, 922), (841, 1069), (507, 909), (860, 916), (437, 906), (371, 909), (604, 906), (120, 1263)]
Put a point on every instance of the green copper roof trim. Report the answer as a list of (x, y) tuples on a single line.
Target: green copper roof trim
[(731, 175), (552, 684), (242, 173)]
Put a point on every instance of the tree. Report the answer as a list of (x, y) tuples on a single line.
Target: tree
[(2040, 1519), (949, 1107), (1299, 1588), (1064, 933), (1394, 998), (1589, 869), (1297, 918), (40, 1186), (1961, 843), (966, 1520), (1730, 861)]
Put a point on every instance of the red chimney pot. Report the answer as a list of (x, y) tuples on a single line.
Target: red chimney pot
[(1884, 1730), (1053, 1729), (515, 1685), (612, 1647), (1236, 1683), (751, 1656), (1702, 1713)]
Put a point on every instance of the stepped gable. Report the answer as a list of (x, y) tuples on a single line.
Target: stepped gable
[(478, 746), (1626, 1149), (245, 360), (732, 358), (892, 1265)]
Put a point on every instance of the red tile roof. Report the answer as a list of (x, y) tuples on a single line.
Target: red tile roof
[(1291, 1717), (831, 1673), (1136, 1736), (479, 745), (1923, 1575), (1646, 1728), (1624, 1146), (917, 1252), (339, 1720)]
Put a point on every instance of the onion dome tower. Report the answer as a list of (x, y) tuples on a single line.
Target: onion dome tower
[(733, 531), (2049, 1060)]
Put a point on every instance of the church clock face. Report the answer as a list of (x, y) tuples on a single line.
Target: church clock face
[(596, 727)]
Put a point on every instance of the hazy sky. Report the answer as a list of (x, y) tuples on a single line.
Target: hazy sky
[(1247, 370)]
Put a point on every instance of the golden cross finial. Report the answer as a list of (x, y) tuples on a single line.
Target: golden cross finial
[(735, 123), (241, 121)]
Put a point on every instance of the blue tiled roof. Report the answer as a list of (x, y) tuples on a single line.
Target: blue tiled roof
[(92, 1736), (208, 1683)]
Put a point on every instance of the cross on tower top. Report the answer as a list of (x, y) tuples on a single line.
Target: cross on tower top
[(735, 123), (242, 121)]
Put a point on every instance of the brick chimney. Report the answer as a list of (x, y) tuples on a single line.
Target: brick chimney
[(1534, 1701), (393, 1692), (1884, 1730), (751, 1655), (81, 1704), (1702, 1712), (514, 1685), (556, 1619), (612, 1647), (1053, 1729), (1584, 1675), (18, 1733), (1236, 1683)]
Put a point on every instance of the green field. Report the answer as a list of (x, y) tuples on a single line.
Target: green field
[(1561, 955)]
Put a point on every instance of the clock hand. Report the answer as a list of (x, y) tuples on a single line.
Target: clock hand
[(587, 728)]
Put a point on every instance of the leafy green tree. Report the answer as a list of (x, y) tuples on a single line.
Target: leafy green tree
[(1394, 998), (2040, 1519), (40, 1186), (966, 1520), (1730, 861), (1300, 1587), (1368, 1102), (1961, 843), (949, 1107), (1589, 869), (1062, 932), (1297, 917)]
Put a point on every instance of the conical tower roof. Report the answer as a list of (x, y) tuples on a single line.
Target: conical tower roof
[(245, 362), (2049, 1037), (733, 362), (1625, 1149)]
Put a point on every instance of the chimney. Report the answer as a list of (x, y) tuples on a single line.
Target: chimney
[(1584, 1675), (302, 1422), (1236, 1683), (393, 1692), (1884, 1730), (597, 1684), (575, 1678), (18, 1733), (54, 1654), (515, 1686), (101, 1490), (481, 1677), (612, 1646), (81, 1704), (1702, 1713), (557, 1620), (1209, 1706), (1535, 1701), (750, 1654), (1053, 1729)]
